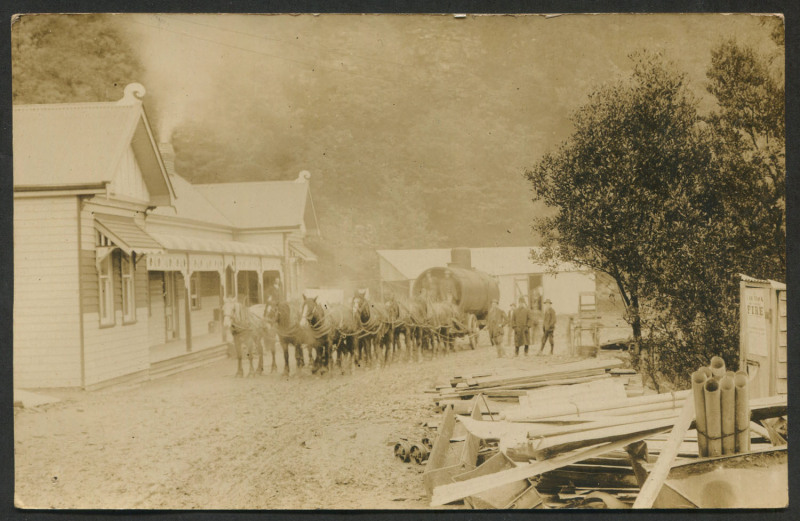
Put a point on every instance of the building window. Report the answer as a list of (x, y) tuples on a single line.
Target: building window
[(128, 297), (106, 292), (194, 290)]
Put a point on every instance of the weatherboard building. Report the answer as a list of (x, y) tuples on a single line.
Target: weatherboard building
[(516, 274), (120, 264)]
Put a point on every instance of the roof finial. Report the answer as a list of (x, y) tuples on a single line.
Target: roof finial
[(134, 92), (304, 176)]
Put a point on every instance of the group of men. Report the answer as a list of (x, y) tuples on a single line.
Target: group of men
[(522, 320)]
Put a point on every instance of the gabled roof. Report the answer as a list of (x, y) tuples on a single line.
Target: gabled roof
[(79, 145), (511, 260), (262, 204), (189, 203)]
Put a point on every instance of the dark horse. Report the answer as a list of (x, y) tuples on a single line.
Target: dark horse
[(374, 333), (287, 327), (442, 319), (344, 329), (400, 323), (319, 331), (419, 328)]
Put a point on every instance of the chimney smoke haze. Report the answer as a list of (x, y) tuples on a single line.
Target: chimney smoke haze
[(417, 129)]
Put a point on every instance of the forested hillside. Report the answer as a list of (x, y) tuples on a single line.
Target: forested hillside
[(417, 130)]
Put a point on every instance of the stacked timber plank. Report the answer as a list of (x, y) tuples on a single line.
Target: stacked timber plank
[(515, 383), (563, 436)]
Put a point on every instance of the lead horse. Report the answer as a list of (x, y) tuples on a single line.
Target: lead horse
[(249, 331)]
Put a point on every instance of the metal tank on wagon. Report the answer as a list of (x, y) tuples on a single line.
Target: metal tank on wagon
[(474, 290)]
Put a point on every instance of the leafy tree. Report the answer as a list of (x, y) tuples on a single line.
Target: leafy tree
[(674, 206), (70, 58), (624, 180), (694, 312), (745, 234), (749, 132)]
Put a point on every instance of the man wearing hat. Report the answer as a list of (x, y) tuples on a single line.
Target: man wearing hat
[(449, 291), (495, 321), (521, 321), (548, 325)]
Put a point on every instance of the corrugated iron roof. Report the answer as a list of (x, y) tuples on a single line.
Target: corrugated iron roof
[(259, 204), (125, 233), (190, 204), (190, 244), (773, 283), (509, 260), (80, 145), (70, 144)]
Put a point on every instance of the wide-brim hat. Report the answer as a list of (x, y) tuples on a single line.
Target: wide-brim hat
[(548, 301)]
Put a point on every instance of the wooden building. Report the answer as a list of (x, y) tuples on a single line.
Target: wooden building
[(120, 264), (515, 272)]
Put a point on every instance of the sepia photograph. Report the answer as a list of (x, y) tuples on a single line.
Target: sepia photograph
[(399, 261)]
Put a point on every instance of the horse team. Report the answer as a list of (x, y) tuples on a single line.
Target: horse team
[(362, 334)]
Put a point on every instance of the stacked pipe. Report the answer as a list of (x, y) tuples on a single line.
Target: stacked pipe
[(722, 410)]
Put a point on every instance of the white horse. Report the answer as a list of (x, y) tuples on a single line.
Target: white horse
[(250, 330)]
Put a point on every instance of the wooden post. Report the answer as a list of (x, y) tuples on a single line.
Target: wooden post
[(187, 308), (261, 298), (222, 296)]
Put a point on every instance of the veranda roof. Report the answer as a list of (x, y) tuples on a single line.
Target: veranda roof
[(195, 244), (126, 234)]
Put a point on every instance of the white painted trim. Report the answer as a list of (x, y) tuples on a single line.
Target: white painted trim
[(179, 222), (118, 204), (30, 194)]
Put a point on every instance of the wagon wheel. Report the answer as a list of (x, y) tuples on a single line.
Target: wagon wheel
[(474, 330)]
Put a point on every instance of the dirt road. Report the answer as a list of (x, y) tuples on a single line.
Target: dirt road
[(204, 439)]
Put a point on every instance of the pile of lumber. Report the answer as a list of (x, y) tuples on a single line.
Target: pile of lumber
[(565, 436)]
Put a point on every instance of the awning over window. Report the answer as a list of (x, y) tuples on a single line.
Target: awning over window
[(126, 234), (300, 250), (195, 244)]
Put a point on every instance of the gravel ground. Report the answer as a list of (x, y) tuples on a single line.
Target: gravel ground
[(205, 439)]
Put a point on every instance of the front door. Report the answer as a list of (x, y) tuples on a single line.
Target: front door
[(757, 351), (170, 306)]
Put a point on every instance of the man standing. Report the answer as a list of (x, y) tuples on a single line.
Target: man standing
[(521, 321), (449, 290), (509, 327), (431, 287), (495, 321), (548, 325), (274, 294)]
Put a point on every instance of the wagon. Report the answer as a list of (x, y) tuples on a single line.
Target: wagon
[(474, 292)]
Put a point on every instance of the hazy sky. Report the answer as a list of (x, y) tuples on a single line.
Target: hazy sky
[(473, 100), (532, 63)]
